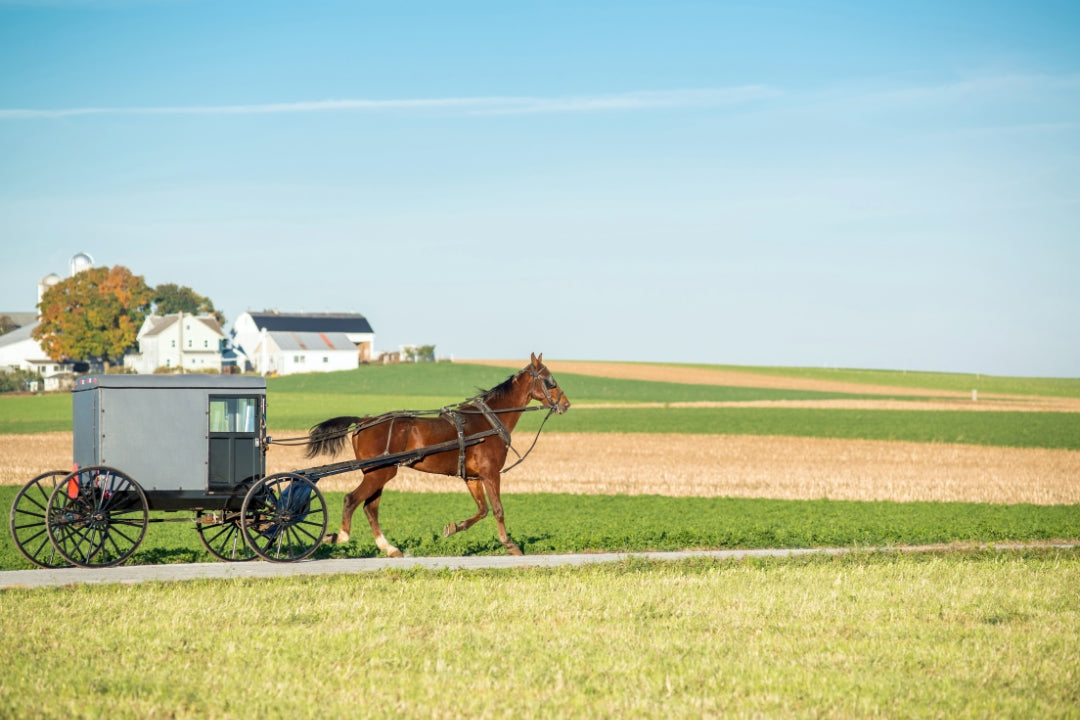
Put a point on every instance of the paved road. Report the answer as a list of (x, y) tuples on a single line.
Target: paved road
[(129, 574)]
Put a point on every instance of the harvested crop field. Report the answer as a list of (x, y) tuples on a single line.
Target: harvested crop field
[(707, 466)]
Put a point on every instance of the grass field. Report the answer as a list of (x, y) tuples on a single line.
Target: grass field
[(954, 382), (560, 523), (983, 634)]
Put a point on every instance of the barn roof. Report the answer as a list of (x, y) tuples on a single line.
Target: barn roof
[(17, 335), (312, 341), (159, 323), (312, 322)]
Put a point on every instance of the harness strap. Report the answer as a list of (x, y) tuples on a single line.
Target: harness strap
[(454, 418), (491, 417)]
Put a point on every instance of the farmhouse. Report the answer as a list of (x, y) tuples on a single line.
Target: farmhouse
[(189, 343), (288, 343)]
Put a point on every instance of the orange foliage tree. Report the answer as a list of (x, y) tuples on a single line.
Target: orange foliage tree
[(95, 314)]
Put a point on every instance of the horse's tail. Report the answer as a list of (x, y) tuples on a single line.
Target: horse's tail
[(328, 437)]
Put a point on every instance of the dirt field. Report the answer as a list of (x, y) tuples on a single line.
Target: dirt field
[(702, 465)]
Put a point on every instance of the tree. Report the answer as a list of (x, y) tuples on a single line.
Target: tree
[(419, 353), (171, 298), (93, 314), (7, 324)]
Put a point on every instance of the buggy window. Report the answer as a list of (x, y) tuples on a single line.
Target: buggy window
[(233, 414)]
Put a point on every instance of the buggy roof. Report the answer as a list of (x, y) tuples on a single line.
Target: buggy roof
[(194, 382)]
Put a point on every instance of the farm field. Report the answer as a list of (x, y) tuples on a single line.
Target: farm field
[(979, 634), (647, 458)]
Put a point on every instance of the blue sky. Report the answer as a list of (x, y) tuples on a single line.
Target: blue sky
[(878, 185)]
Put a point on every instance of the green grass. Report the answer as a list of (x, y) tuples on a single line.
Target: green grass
[(297, 402), (20, 414), (562, 523), (986, 634), (955, 382), (969, 427), (455, 382)]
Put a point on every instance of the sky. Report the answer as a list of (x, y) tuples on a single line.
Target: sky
[(890, 185)]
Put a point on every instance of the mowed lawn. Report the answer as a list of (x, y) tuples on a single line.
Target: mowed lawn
[(983, 634)]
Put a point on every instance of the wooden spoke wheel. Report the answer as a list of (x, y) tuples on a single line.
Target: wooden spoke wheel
[(223, 537), (97, 517), (283, 517), (28, 523)]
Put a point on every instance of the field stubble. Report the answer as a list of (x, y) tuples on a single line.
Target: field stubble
[(705, 466)]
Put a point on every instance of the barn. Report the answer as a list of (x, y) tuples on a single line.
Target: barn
[(286, 343)]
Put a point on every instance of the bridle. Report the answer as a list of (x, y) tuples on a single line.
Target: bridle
[(547, 384)]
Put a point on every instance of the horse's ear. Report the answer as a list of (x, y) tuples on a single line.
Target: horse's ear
[(534, 359), (537, 360)]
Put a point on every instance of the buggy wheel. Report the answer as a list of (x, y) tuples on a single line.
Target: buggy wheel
[(283, 518), (97, 517), (224, 539), (28, 521)]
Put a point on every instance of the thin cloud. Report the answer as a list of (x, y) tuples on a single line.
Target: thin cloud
[(630, 101)]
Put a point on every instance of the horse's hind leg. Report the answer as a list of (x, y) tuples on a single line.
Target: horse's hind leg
[(371, 509), (492, 485), (367, 493), (476, 489)]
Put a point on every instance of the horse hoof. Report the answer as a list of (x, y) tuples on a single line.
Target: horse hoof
[(514, 549), (330, 539), (449, 530), (394, 553)]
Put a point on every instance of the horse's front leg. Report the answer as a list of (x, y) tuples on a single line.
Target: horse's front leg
[(476, 489), (492, 484)]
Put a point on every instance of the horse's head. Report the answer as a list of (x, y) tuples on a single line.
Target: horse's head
[(544, 388)]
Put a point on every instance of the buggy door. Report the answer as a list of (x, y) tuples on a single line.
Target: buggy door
[(236, 425)]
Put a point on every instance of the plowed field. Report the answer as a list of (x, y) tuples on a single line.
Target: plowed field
[(703, 465)]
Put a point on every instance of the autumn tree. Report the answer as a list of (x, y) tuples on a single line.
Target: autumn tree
[(95, 313), (7, 324), (171, 298)]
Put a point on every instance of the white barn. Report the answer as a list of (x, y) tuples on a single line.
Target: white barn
[(287, 353), (189, 343), (308, 330), (19, 351)]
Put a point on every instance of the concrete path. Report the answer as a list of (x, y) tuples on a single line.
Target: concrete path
[(129, 574)]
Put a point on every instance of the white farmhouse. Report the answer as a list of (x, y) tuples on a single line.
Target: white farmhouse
[(188, 343)]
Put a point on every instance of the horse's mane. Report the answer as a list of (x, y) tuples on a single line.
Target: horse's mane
[(506, 387)]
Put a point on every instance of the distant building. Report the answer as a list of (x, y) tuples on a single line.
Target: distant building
[(285, 343), (287, 353), (18, 350), (186, 343)]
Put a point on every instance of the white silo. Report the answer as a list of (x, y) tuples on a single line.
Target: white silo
[(45, 283), (79, 262)]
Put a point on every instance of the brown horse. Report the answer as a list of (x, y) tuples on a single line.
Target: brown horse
[(492, 414)]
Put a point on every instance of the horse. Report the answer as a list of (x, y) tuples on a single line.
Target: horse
[(493, 414)]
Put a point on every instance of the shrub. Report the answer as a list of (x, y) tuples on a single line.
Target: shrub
[(16, 380)]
